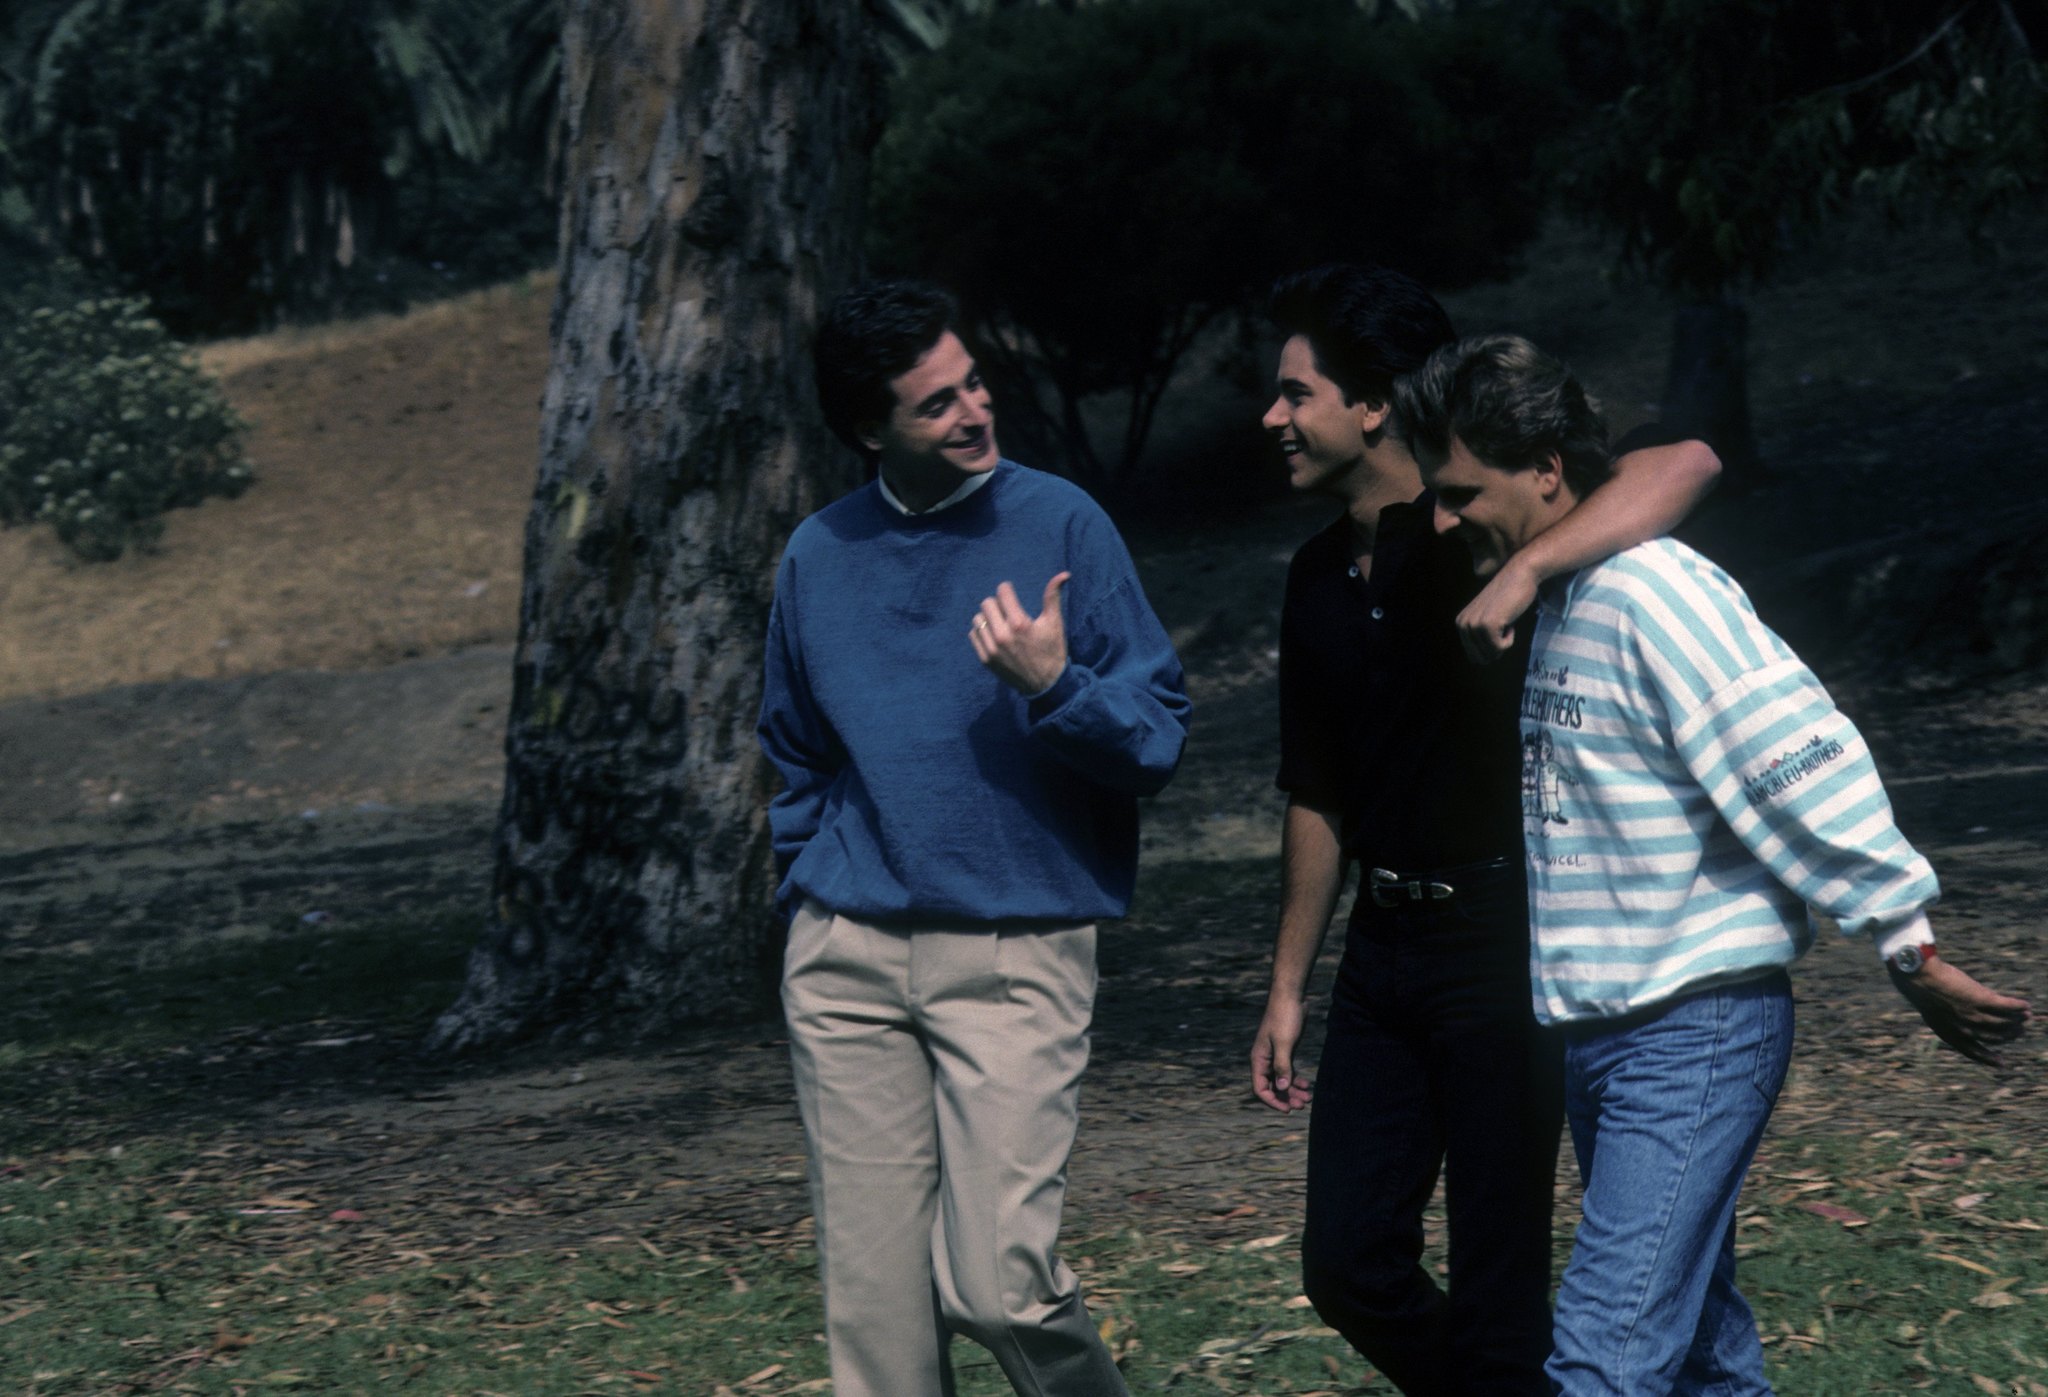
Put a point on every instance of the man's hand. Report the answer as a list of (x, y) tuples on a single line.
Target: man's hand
[(1026, 654), (1487, 624), (1274, 1080), (1964, 1014)]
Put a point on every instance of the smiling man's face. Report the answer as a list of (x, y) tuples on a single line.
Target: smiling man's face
[(942, 428), (1321, 436), (1493, 511)]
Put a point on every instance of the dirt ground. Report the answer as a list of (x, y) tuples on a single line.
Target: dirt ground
[(296, 705)]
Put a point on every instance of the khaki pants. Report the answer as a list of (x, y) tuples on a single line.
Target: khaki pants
[(938, 1073)]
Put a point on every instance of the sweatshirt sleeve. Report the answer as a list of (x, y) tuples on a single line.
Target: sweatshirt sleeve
[(1118, 713), (796, 737), (1783, 766)]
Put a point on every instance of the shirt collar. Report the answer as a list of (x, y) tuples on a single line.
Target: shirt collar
[(967, 487)]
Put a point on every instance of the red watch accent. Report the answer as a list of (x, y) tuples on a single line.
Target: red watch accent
[(1911, 960)]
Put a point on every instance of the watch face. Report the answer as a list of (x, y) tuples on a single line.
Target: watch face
[(1907, 960)]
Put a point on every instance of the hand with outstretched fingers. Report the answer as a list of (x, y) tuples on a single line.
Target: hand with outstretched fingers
[(1486, 627), (1027, 653), (1274, 1078), (1964, 1014)]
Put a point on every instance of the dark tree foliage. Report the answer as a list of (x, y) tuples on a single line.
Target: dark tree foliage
[(1727, 129), (1744, 121), (242, 160), (1099, 186)]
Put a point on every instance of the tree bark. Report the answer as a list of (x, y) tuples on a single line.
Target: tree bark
[(715, 164), (1706, 394)]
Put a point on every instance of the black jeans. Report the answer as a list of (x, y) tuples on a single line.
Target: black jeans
[(1434, 1061)]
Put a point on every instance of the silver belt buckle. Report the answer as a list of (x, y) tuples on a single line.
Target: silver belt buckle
[(1390, 889)]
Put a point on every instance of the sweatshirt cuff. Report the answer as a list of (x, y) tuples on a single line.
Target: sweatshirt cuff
[(1916, 930), (1049, 698)]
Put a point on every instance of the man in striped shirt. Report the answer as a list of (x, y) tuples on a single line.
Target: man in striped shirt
[(1689, 790)]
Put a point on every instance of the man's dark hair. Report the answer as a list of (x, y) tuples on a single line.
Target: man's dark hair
[(1366, 325), (1511, 404), (872, 333)]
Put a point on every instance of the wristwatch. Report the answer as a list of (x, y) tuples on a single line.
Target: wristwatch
[(1909, 960)]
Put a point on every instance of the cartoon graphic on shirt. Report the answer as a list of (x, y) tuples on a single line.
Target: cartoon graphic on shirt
[(1543, 779)]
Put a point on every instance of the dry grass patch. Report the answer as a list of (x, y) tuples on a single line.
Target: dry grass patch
[(395, 461)]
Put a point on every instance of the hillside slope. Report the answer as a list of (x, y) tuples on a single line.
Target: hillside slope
[(394, 463)]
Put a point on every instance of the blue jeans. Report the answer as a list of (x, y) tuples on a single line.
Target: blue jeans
[(1666, 1108)]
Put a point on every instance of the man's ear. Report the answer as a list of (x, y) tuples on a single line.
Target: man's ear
[(1549, 475), (1372, 416), (868, 434)]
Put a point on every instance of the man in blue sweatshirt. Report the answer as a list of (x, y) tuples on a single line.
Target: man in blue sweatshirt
[(960, 810)]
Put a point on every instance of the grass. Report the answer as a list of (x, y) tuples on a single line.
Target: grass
[(158, 1259), (118, 1276)]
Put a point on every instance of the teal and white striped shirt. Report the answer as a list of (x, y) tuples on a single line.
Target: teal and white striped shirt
[(1688, 790)]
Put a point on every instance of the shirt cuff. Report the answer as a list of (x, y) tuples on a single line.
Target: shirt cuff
[(1916, 930), (1055, 693)]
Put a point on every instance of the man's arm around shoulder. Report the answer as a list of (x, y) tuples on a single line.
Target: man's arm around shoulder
[(1651, 492)]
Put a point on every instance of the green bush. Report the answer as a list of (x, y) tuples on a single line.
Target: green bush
[(105, 424)]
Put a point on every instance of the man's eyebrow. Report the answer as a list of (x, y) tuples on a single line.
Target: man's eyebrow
[(1294, 385), (935, 399)]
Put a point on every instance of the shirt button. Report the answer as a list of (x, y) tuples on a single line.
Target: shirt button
[(1377, 613)]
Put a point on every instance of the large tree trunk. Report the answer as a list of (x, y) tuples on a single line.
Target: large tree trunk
[(1707, 393), (716, 154)]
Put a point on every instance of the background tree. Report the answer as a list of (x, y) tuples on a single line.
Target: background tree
[(714, 153), (1727, 129), (1099, 186)]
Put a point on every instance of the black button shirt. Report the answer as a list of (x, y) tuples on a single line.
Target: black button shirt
[(1381, 715)]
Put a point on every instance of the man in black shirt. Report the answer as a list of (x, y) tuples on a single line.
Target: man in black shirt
[(1399, 752)]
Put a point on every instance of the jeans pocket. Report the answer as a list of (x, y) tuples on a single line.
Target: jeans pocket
[(1773, 1020)]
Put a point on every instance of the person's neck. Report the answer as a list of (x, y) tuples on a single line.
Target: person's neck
[(1386, 475), (919, 492)]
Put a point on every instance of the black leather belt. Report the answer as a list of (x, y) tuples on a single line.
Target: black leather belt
[(1391, 889)]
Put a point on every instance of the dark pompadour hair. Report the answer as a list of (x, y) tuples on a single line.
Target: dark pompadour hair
[(1367, 325), (1510, 403), (875, 332)]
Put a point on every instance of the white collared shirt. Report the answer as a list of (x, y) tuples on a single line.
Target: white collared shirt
[(967, 487)]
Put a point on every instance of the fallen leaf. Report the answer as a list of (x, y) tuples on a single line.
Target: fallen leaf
[(1963, 1262), (1264, 1243), (1834, 1212)]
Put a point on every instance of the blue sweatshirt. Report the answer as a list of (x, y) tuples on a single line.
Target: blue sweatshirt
[(918, 784)]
